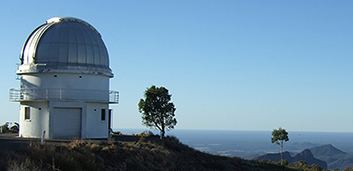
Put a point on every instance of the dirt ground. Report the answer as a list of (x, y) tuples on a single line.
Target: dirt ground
[(11, 142)]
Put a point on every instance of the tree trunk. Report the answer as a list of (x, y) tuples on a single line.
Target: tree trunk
[(163, 128), (281, 152), (162, 134)]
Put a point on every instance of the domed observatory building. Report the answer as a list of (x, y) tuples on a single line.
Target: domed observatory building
[(64, 89)]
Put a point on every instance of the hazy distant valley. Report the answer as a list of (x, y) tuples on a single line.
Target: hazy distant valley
[(333, 148)]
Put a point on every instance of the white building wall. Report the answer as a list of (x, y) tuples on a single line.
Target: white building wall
[(92, 125), (95, 126), (38, 122), (65, 81)]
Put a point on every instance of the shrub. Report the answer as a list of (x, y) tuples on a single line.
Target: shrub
[(174, 144), (106, 149), (117, 133), (95, 147), (15, 128), (144, 133), (141, 140), (5, 128), (77, 143), (27, 165), (348, 169)]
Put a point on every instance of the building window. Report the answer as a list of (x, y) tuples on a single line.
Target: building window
[(27, 113), (103, 115)]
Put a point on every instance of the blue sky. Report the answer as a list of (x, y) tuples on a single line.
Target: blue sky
[(229, 65)]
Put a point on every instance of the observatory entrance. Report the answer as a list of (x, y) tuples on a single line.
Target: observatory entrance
[(66, 122)]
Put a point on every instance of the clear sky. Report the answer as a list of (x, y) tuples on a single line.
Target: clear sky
[(229, 65)]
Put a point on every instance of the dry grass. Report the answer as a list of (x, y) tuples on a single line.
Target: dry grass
[(167, 154)]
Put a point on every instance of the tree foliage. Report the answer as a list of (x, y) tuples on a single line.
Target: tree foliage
[(157, 110), (279, 136), (5, 128)]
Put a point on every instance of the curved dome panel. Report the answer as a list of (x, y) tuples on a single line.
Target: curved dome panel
[(66, 43)]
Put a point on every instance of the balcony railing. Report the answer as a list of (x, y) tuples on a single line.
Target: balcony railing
[(110, 96)]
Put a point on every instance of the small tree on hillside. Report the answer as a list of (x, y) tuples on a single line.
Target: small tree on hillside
[(157, 110), (279, 136)]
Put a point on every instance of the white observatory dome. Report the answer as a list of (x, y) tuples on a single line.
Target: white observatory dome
[(65, 44), (64, 82)]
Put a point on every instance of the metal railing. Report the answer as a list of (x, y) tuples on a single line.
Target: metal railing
[(17, 94)]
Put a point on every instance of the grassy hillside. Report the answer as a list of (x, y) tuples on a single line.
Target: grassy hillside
[(167, 154)]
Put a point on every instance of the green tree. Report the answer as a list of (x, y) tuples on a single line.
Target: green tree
[(157, 110), (279, 136)]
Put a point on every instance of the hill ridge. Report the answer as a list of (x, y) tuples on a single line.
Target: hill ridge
[(334, 157), (305, 156), (326, 150)]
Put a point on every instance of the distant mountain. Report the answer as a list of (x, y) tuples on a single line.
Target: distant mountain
[(334, 157), (342, 163), (309, 158), (305, 156), (326, 150)]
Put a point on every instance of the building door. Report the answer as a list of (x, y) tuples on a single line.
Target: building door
[(110, 119), (66, 123)]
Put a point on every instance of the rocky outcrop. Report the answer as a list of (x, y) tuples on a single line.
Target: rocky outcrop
[(309, 158)]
